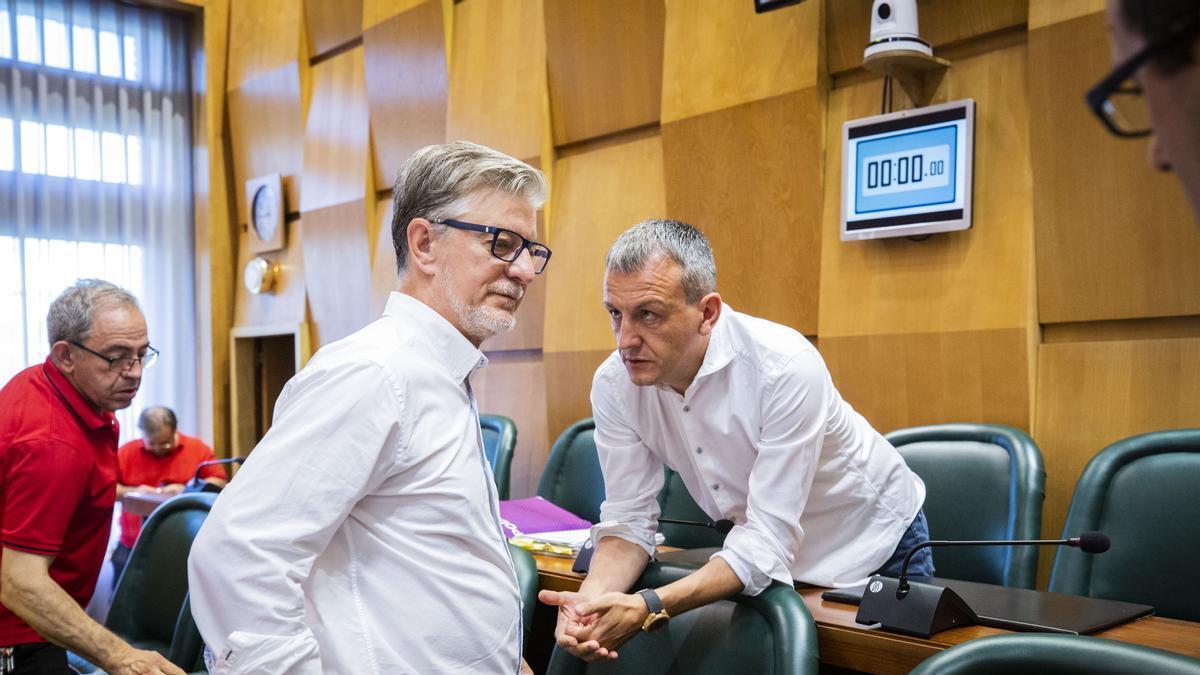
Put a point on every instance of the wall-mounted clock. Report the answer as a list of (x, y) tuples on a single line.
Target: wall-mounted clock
[(264, 201)]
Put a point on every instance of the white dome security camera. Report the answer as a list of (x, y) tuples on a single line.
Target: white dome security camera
[(894, 29)]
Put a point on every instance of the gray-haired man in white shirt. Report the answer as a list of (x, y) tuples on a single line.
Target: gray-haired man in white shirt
[(746, 412), (363, 534)]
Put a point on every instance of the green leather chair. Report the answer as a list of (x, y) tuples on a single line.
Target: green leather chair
[(573, 480), (527, 580), (982, 481), (1020, 654), (187, 645), (499, 443), (1141, 492), (769, 634), (150, 597)]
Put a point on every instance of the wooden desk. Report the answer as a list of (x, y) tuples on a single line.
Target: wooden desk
[(143, 503), (846, 644)]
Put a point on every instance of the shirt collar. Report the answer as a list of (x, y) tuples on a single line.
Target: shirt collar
[(447, 344), (720, 349), (75, 401)]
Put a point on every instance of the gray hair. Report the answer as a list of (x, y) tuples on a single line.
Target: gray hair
[(157, 418), (439, 182), (71, 314), (675, 239)]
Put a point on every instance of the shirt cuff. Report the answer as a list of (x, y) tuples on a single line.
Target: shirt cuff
[(612, 528), (257, 654), (754, 564)]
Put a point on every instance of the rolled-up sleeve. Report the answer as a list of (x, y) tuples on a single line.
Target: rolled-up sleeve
[(325, 451), (795, 411), (633, 476)]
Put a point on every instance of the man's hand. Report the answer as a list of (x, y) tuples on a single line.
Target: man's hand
[(139, 662), (571, 624), (171, 489), (525, 669), (612, 618)]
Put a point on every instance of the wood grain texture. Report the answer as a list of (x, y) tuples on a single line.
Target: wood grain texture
[(719, 54), (498, 75), (1092, 394), (337, 142), (513, 385), (1043, 13), (331, 23), (337, 271), (942, 22), (285, 303), (910, 379), (378, 11), (569, 387), (750, 178), (264, 35), (406, 81), (981, 278), (1115, 239), (605, 63), (597, 196), (266, 133), (383, 259)]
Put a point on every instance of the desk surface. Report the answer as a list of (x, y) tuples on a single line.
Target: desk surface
[(845, 643), (144, 503)]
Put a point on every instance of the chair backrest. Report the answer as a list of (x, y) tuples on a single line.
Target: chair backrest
[(572, 478), (499, 443), (1141, 492), (676, 502), (982, 481), (150, 594), (527, 581), (187, 645), (1021, 653), (771, 633)]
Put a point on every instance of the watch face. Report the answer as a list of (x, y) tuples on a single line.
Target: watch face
[(265, 221), (254, 277), (656, 622)]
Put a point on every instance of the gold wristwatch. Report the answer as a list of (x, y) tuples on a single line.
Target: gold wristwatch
[(658, 618)]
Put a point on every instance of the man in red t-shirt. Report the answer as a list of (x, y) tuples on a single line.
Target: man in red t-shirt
[(163, 461), (58, 467)]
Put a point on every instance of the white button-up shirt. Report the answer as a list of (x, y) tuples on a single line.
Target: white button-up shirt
[(760, 437), (362, 535)]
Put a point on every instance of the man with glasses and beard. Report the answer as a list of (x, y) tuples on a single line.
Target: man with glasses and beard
[(1154, 90), (58, 480), (362, 535)]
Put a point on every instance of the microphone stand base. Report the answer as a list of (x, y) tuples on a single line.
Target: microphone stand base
[(924, 610)]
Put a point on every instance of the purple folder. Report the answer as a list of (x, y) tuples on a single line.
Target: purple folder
[(533, 515)]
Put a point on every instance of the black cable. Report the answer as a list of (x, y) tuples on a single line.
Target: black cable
[(884, 97)]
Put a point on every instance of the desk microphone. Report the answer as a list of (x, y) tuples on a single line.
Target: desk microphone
[(1088, 542), (723, 525), (197, 485), (922, 609)]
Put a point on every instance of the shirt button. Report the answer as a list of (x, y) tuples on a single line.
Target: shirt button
[(687, 408), (716, 486), (699, 451)]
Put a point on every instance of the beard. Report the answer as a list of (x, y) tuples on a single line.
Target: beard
[(480, 322)]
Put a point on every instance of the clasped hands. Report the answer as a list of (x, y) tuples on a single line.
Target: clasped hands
[(593, 627)]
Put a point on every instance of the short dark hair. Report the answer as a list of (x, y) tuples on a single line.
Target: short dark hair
[(1153, 19), (157, 418)]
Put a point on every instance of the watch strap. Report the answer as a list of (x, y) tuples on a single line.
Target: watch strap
[(653, 602)]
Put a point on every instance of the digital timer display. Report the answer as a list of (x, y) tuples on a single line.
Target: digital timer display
[(908, 173)]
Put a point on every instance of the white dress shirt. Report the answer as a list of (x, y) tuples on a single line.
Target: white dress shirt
[(362, 535), (760, 437)]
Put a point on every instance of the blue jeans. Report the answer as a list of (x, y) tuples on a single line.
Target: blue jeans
[(921, 564)]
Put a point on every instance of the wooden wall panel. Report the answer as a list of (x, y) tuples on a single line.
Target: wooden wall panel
[(721, 54), (405, 59), (942, 22), (605, 60), (513, 385), (1091, 394), (1042, 13), (378, 11), (981, 278), (597, 195), (383, 259), (905, 380), (332, 23), (569, 387), (266, 128), (264, 35), (337, 271), (747, 176), (498, 76), (285, 303), (337, 142), (1115, 239)]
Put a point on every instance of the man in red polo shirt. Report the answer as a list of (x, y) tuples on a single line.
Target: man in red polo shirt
[(58, 466), (163, 461)]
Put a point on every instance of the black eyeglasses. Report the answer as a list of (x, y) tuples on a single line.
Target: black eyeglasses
[(122, 364), (1117, 100), (506, 244)]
